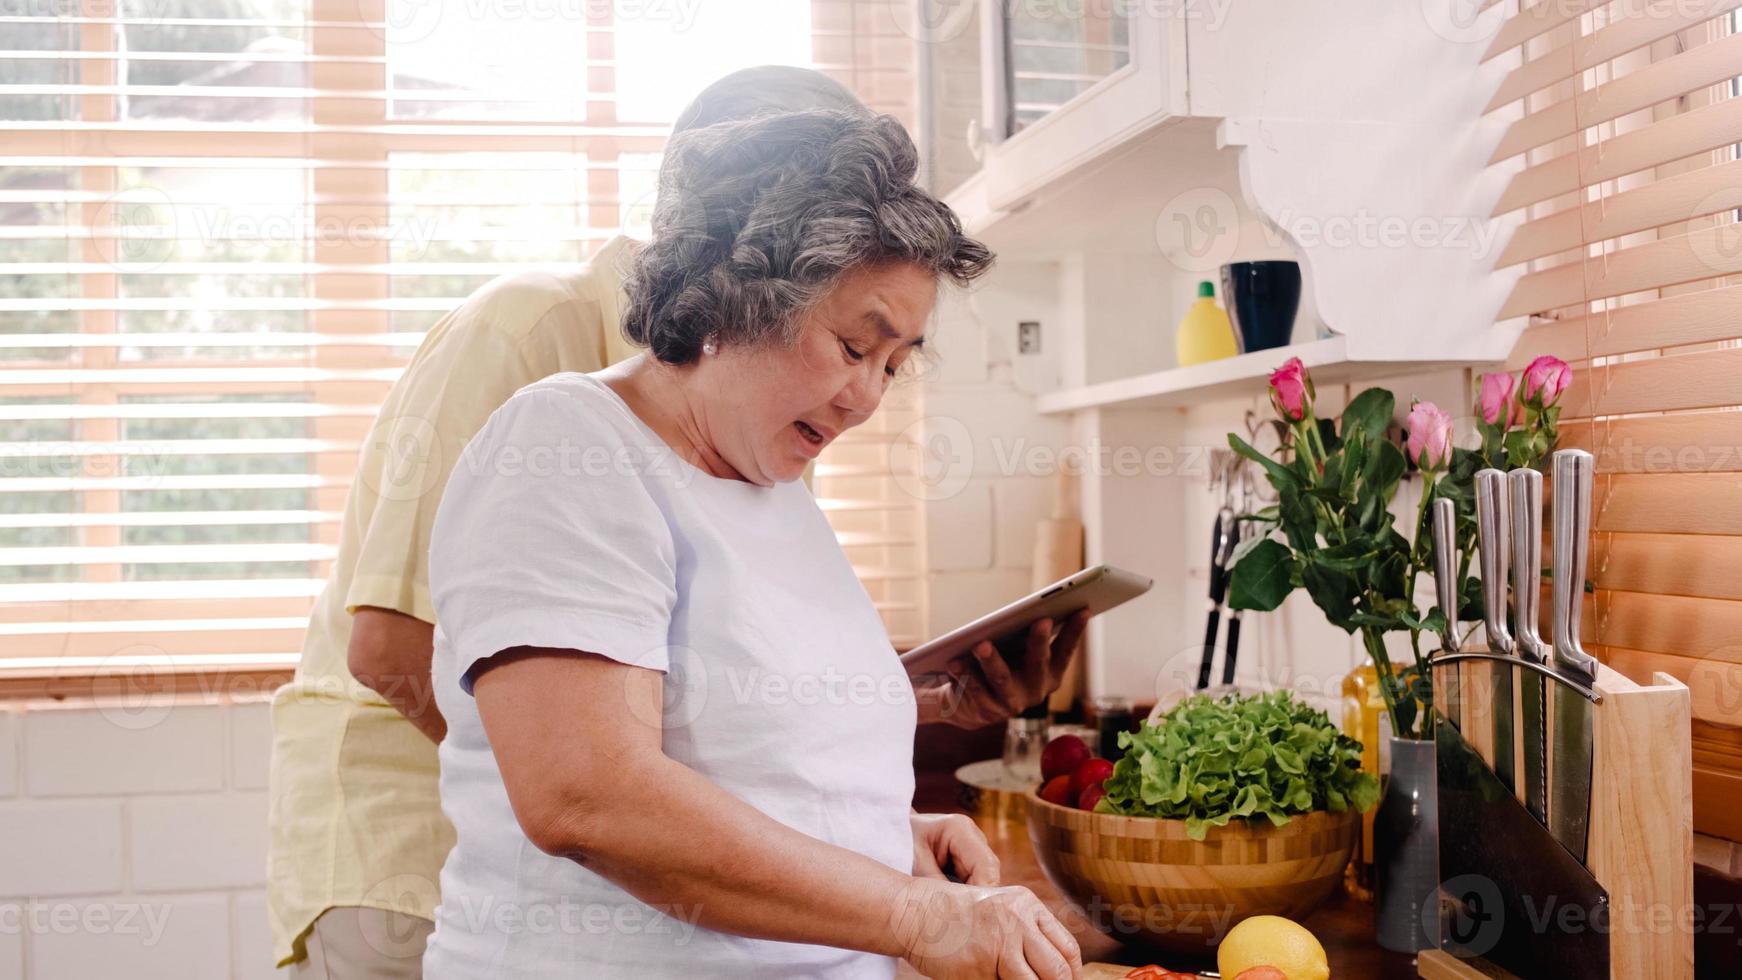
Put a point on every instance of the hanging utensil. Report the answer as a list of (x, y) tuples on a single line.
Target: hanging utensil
[(1221, 549), (1526, 487), (1570, 802), (1494, 545)]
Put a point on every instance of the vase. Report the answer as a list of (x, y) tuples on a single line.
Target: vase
[(1406, 849)]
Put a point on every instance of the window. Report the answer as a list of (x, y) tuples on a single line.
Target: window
[(1631, 259), (225, 225)]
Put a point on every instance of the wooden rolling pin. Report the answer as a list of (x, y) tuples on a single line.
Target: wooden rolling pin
[(1058, 552)]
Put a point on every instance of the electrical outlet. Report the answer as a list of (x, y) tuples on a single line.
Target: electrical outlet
[(1028, 337)]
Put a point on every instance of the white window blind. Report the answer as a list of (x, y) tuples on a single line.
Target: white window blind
[(225, 225)]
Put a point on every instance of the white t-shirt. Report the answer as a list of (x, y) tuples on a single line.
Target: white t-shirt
[(568, 523)]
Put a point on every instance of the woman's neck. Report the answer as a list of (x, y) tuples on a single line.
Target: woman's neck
[(663, 397)]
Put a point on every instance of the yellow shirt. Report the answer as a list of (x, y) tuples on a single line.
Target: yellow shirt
[(355, 818)]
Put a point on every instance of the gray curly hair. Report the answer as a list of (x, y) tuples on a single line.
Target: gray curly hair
[(758, 218)]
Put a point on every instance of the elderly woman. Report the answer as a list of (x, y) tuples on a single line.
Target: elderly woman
[(679, 741)]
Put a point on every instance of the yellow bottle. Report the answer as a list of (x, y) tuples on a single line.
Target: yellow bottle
[(1364, 719), (1204, 332)]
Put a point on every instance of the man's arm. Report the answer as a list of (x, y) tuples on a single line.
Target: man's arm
[(390, 654)]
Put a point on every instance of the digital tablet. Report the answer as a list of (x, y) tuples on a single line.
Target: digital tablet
[(1096, 589)]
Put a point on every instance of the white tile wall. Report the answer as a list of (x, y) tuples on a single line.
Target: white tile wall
[(60, 847), (8, 753), (251, 939), (206, 841), (11, 953), (250, 744), (180, 938), (138, 833), (120, 749)]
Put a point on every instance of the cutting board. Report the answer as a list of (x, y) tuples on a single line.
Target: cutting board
[(1106, 971)]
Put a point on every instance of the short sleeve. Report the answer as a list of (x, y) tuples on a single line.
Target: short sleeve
[(497, 343), (545, 539)]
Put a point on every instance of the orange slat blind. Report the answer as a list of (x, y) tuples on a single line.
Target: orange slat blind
[(1632, 258), (225, 225)]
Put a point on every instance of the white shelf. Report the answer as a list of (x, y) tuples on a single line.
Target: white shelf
[(1242, 374)]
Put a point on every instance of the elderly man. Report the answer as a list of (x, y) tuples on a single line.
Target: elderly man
[(358, 837)]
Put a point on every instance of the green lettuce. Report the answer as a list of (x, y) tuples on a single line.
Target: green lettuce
[(1211, 760)]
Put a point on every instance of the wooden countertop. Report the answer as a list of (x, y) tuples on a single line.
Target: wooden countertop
[(1343, 925)]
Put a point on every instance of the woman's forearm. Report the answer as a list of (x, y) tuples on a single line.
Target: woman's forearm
[(673, 839)]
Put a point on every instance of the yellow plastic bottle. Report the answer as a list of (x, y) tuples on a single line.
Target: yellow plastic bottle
[(1364, 719), (1204, 332)]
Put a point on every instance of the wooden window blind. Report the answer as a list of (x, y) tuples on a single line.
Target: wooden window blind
[(226, 224), (1628, 117)]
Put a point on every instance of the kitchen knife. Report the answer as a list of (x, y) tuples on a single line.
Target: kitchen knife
[(1526, 487), (1445, 532), (1570, 803), (1494, 543)]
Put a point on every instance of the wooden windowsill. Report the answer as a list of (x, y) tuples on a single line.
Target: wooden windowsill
[(215, 680)]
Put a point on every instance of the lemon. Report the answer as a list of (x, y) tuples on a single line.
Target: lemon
[(1271, 940)]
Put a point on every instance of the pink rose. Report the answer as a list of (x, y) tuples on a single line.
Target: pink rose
[(1291, 390), (1544, 380), (1429, 433), (1494, 403)]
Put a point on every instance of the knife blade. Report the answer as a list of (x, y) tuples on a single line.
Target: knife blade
[(1570, 801), (1494, 547), (1445, 531), (1526, 488)]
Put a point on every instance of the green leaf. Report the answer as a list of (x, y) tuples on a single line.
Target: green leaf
[(1349, 557), (1263, 578), (1349, 467), (1370, 411), (1281, 477), (1385, 466), (1333, 592), (1470, 602)]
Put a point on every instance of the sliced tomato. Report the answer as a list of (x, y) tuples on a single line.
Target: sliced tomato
[(1153, 972)]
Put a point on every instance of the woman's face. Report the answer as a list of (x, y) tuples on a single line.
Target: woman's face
[(775, 408)]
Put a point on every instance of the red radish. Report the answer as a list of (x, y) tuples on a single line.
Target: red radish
[(1062, 756), (1090, 772), (1057, 790), (1091, 795)]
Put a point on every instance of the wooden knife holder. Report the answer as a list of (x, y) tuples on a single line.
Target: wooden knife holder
[(1641, 830)]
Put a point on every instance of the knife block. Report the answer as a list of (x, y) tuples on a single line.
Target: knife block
[(1641, 831)]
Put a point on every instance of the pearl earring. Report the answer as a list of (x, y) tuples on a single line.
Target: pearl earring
[(708, 345)]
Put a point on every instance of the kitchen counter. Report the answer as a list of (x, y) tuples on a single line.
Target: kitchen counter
[(1343, 925)]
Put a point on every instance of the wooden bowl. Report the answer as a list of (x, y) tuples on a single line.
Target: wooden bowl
[(1142, 878)]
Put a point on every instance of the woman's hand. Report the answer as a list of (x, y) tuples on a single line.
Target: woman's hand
[(951, 840), (969, 932), (979, 689)]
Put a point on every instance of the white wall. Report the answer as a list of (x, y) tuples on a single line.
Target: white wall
[(133, 840)]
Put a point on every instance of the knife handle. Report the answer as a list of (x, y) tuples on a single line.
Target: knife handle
[(1445, 531), (1526, 488), (1494, 544), (1573, 471)]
